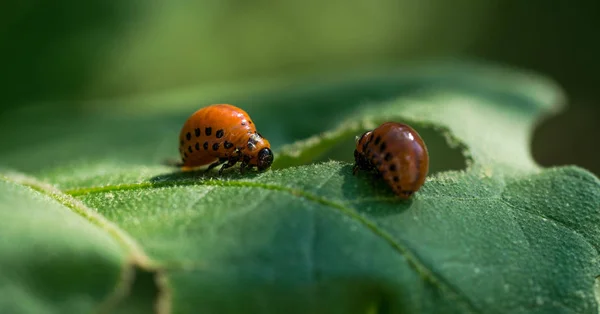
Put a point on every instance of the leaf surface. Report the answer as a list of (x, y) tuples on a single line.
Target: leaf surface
[(53, 260), (489, 232)]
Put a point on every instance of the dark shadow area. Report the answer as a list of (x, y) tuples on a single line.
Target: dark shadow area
[(225, 291), (368, 193), (187, 177), (569, 138), (180, 176), (144, 294)]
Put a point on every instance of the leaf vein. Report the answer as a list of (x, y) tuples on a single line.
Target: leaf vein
[(554, 220), (243, 211)]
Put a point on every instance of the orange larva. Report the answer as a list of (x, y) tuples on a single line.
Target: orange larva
[(397, 152), (220, 134)]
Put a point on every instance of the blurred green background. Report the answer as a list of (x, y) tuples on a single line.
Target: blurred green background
[(72, 54)]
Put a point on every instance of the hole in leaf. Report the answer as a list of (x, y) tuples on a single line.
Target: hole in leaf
[(566, 139), (442, 156)]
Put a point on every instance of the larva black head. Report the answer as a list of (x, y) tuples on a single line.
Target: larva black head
[(265, 159), (361, 161)]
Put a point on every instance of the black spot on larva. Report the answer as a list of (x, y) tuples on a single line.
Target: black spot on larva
[(377, 140), (220, 133), (197, 131), (227, 145), (243, 123), (216, 146), (382, 147), (249, 122), (188, 136), (190, 149), (388, 157), (181, 142), (205, 145), (396, 179), (208, 131), (184, 155), (197, 146), (393, 167)]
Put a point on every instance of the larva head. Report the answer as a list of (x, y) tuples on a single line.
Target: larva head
[(360, 158), (259, 152)]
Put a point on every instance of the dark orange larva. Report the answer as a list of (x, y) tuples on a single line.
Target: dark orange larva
[(398, 153), (220, 134)]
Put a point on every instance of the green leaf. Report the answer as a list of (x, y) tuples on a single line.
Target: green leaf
[(53, 260), (489, 232)]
